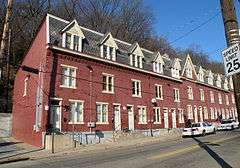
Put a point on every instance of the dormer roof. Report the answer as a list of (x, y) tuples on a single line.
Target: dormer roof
[(157, 57), (135, 49), (176, 64), (188, 63), (74, 28), (108, 40)]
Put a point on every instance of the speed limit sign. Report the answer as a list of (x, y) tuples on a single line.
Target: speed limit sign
[(231, 59)]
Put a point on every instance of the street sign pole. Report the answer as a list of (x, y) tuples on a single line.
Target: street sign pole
[(232, 37)]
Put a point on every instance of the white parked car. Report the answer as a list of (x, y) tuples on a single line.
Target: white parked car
[(200, 128), (229, 124)]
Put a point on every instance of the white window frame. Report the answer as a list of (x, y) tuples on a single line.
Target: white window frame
[(227, 100), (142, 114), (176, 95), (220, 98), (157, 115), (201, 77), (210, 80), (138, 60), (108, 83), (205, 112), (175, 73), (212, 113), (25, 86), (135, 88), (233, 99), (180, 116), (75, 114), (190, 111), (64, 42), (190, 92), (158, 91), (101, 113), (189, 73), (109, 56), (202, 98), (157, 67), (212, 100), (68, 76)]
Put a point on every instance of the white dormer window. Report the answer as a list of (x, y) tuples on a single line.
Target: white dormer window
[(218, 83), (225, 85), (210, 80), (175, 73), (189, 72), (136, 60), (72, 41), (230, 83), (158, 67), (108, 52), (200, 77)]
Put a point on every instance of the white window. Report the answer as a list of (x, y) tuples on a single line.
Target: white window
[(157, 115), (136, 60), (108, 81), (220, 98), (136, 88), (142, 115), (210, 80), (201, 95), (201, 76), (158, 67), (205, 112), (158, 91), (223, 114), (72, 41), (216, 113), (190, 112), (175, 73), (218, 81), (189, 72), (176, 95), (25, 86), (212, 97), (102, 113), (68, 76), (76, 112), (227, 100), (190, 92), (233, 99), (108, 52), (212, 112), (180, 116)]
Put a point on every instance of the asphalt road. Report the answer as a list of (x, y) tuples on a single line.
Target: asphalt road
[(218, 150)]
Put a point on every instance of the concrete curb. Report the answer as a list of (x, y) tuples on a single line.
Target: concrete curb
[(13, 159)]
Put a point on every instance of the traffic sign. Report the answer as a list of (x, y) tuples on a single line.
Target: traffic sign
[(231, 59)]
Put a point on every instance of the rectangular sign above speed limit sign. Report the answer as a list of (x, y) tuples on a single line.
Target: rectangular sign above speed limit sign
[(231, 59)]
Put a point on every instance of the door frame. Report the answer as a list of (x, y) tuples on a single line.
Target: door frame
[(175, 117), (120, 118), (195, 111), (165, 108), (60, 110), (129, 105)]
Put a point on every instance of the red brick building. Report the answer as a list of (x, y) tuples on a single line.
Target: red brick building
[(82, 80)]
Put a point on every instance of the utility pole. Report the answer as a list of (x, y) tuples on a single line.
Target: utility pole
[(232, 37)]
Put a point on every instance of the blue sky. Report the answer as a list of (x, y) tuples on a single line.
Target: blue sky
[(175, 18)]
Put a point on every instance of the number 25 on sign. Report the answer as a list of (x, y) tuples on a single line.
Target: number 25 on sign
[(231, 59)]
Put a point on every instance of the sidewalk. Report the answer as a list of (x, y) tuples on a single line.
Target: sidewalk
[(29, 152)]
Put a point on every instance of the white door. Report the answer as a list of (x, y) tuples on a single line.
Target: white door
[(174, 120), (130, 118), (195, 114), (201, 114), (165, 117), (117, 117), (55, 117)]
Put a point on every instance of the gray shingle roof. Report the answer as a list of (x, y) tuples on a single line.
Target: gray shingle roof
[(91, 46)]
